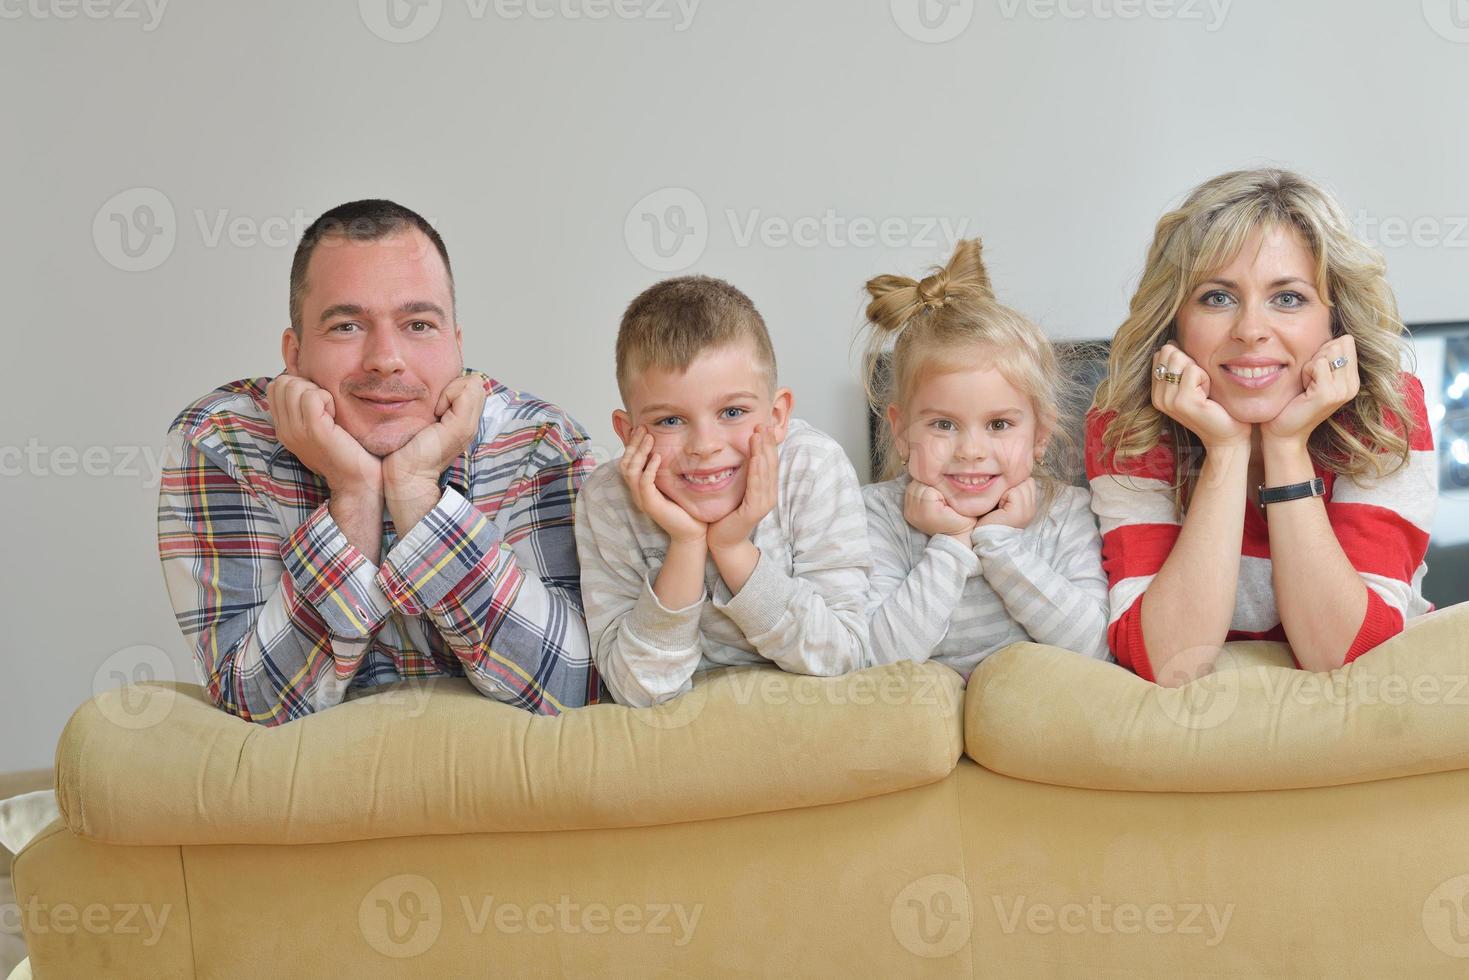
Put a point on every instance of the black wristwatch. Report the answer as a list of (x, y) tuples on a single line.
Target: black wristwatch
[(1291, 491)]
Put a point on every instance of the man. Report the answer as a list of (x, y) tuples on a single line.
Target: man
[(375, 512)]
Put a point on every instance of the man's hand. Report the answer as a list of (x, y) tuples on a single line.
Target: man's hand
[(639, 468), (926, 510), (760, 494), (1325, 391), (411, 473), (305, 423), (1187, 401), (1016, 508)]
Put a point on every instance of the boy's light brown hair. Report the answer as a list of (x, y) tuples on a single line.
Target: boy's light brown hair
[(670, 324)]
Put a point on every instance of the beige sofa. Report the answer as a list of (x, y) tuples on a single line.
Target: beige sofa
[(1061, 817)]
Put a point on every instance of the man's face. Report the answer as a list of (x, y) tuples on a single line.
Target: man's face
[(378, 333), (701, 421)]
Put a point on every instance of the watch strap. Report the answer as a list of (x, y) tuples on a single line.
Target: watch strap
[(1292, 491)]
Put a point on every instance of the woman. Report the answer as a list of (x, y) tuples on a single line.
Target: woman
[(1260, 465)]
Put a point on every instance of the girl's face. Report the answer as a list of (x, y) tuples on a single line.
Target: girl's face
[(970, 434)]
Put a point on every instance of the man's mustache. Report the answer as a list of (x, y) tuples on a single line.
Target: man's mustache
[(386, 391)]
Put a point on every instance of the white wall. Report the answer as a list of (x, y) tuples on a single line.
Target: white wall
[(1059, 139)]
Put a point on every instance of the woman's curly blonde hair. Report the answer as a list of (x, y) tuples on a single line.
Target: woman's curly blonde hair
[(1203, 235), (946, 321)]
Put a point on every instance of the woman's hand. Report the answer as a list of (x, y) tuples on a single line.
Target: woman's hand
[(1187, 401), (1326, 390)]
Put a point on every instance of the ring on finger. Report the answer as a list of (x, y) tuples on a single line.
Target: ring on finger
[(1339, 362)]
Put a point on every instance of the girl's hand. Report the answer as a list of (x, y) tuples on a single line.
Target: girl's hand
[(1016, 508), (925, 508)]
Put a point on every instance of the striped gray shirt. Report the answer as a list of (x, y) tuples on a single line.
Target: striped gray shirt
[(933, 598), (802, 608)]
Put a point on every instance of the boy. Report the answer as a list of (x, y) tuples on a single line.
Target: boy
[(728, 532)]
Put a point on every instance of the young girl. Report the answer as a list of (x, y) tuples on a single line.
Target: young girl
[(975, 544)]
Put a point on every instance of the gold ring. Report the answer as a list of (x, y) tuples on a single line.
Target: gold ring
[(1172, 378)]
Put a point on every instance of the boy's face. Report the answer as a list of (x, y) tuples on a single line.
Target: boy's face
[(701, 421)]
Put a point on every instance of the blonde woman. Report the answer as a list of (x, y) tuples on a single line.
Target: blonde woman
[(1259, 464)]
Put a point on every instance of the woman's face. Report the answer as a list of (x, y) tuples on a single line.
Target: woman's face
[(1253, 324)]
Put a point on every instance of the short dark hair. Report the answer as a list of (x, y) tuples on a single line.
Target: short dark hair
[(670, 324), (360, 221)]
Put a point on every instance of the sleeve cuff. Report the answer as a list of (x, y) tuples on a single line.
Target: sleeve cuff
[(1381, 622), (761, 603), (668, 629), (438, 554), (1126, 638), (334, 577), (994, 539), (947, 544)]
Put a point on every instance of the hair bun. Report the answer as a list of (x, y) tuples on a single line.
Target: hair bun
[(897, 299)]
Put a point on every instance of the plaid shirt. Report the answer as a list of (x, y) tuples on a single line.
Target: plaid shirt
[(285, 615)]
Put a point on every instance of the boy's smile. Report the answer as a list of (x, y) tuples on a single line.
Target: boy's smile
[(701, 421)]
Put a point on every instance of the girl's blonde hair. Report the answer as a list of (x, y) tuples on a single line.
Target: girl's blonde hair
[(949, 320), (1205, 234)]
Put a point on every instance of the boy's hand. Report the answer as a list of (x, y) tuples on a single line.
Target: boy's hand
[(1016, 507), (760, 493), (639, 468), (925, 508)]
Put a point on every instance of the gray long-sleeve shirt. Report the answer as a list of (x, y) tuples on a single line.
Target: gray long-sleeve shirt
[(934, 598), (803, 607)]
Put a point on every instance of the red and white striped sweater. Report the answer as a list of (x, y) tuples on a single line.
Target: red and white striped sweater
[(1382, 527)]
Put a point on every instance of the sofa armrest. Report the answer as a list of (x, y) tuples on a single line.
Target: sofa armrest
[(439, 758), (1401, 709)]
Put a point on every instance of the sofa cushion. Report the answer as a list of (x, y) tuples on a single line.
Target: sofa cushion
[(1255, 723), (439, 758)]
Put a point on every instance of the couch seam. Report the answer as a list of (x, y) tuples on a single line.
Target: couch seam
[(964, 870), (189, 911)]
